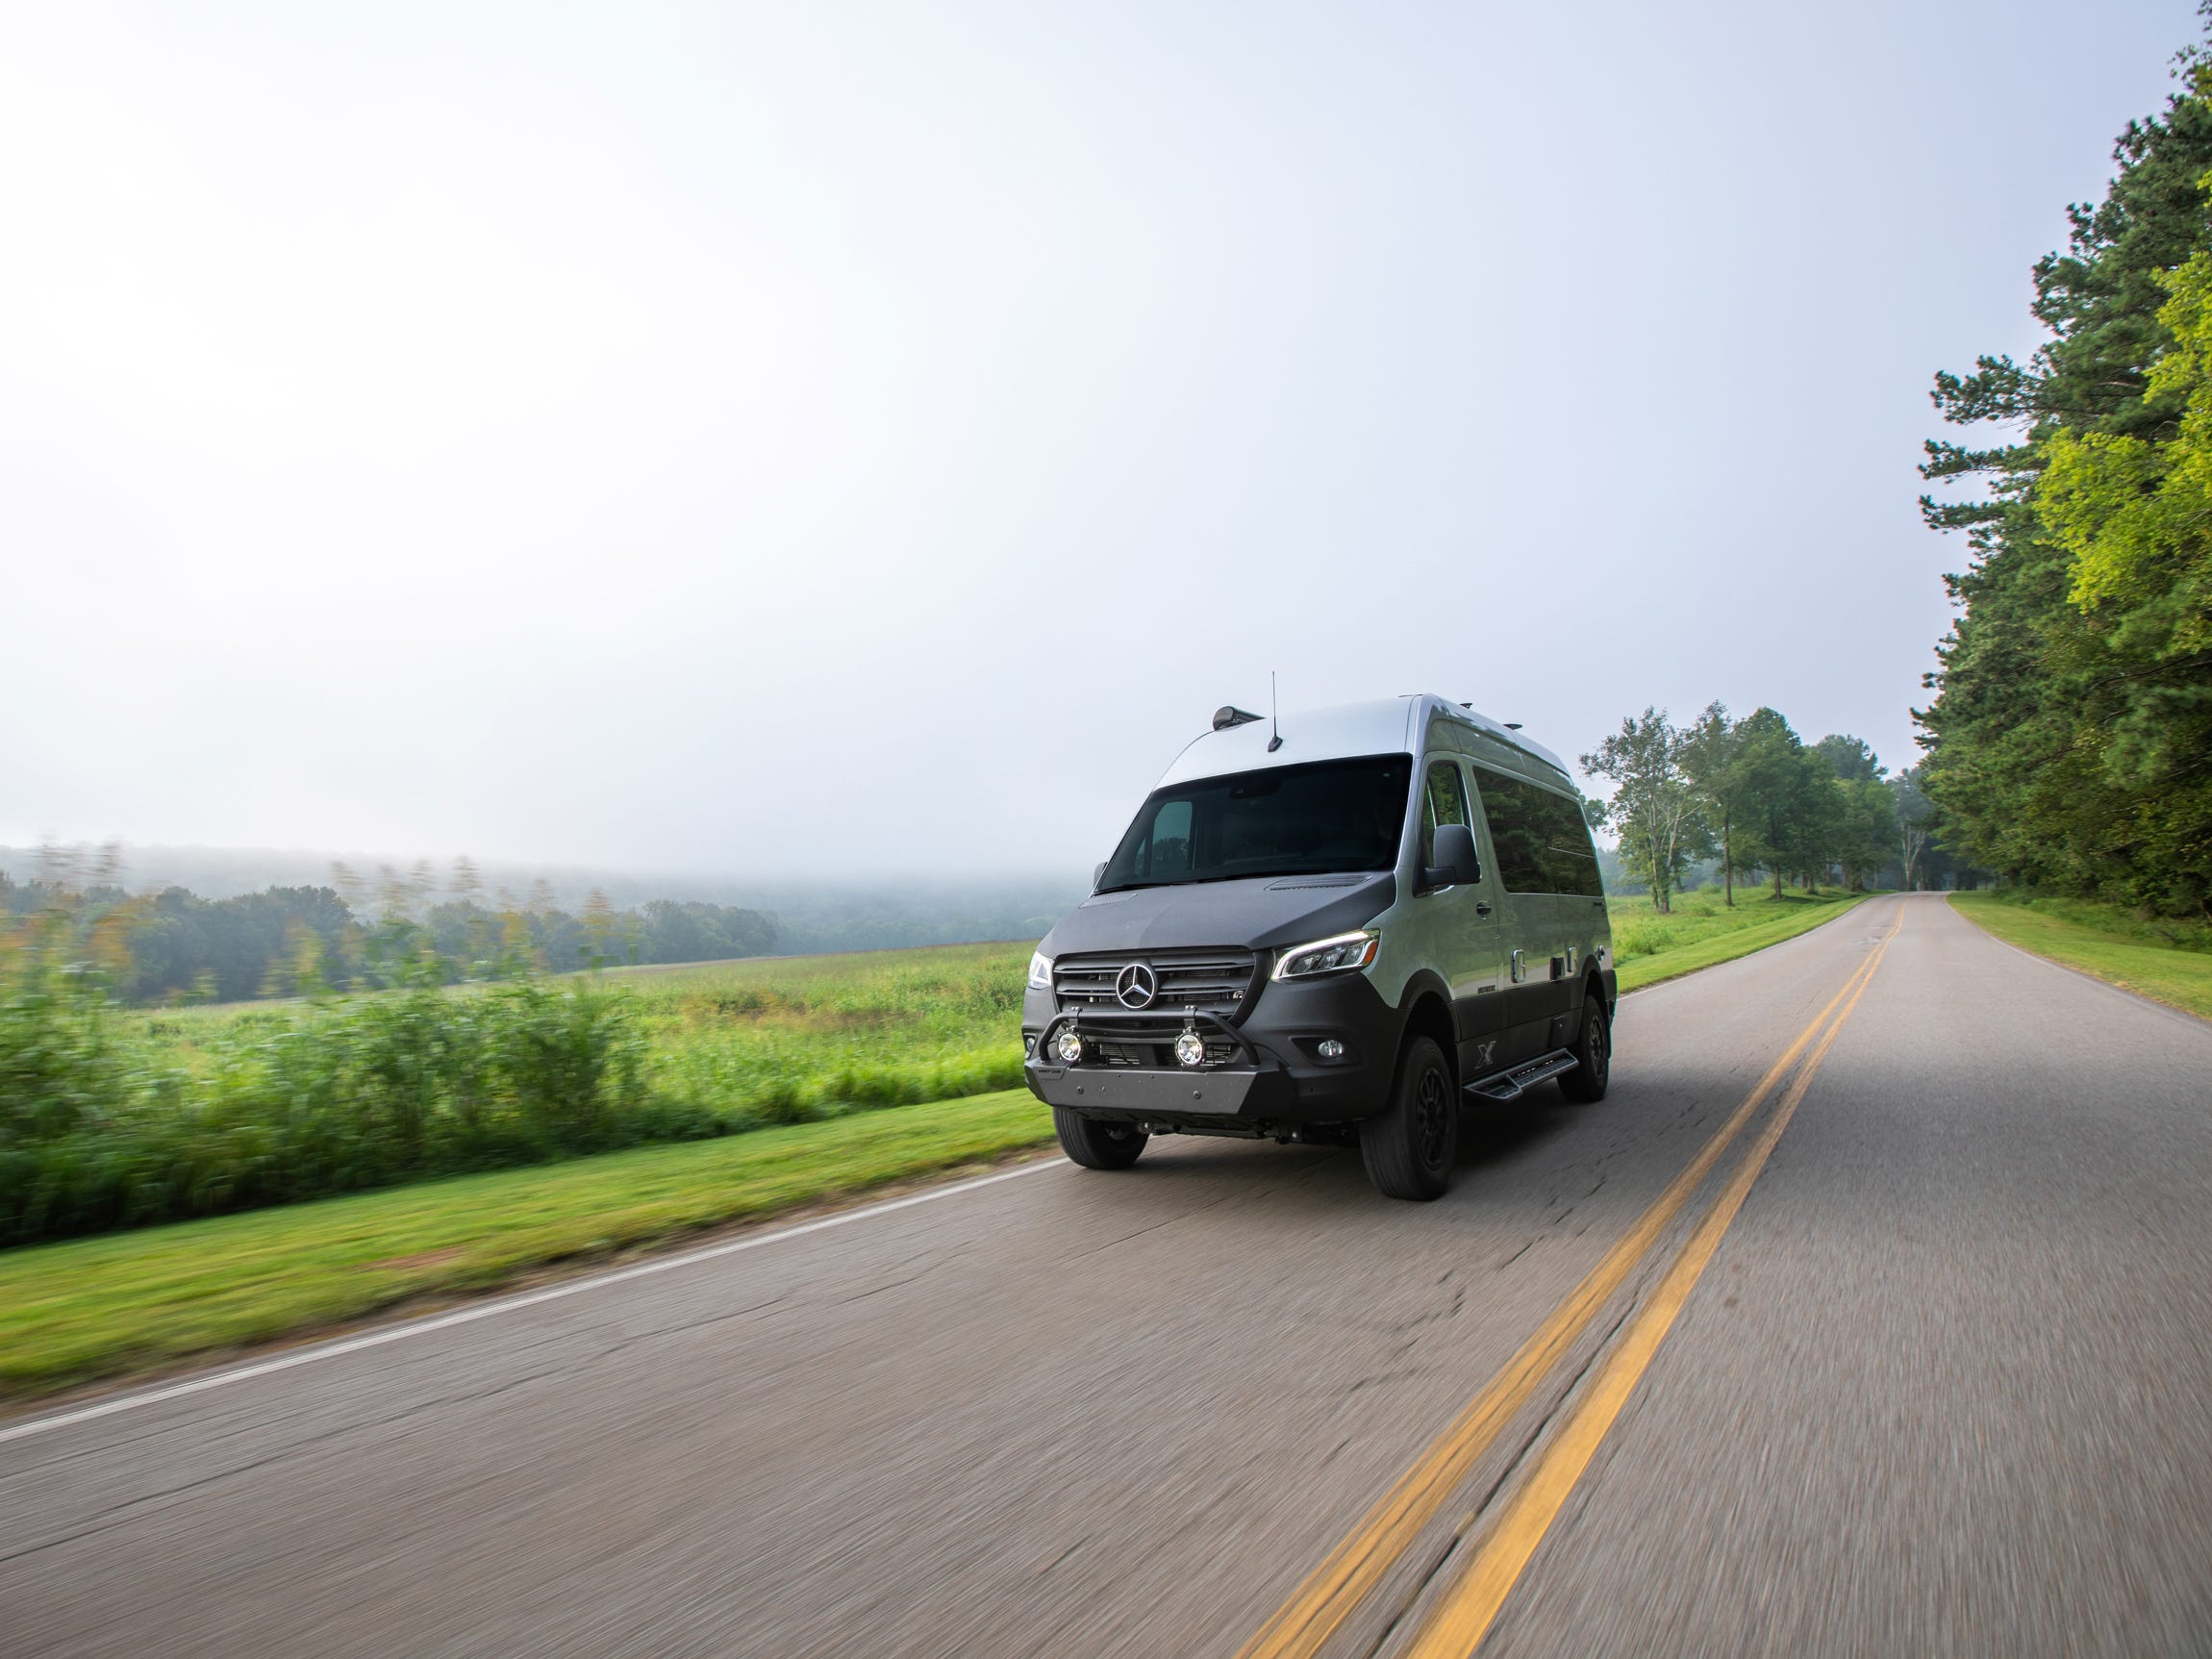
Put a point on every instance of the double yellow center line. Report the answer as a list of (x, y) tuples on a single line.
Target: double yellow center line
[(1462, 1614)]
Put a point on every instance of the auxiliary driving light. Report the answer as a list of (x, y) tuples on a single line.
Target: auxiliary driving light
[(1329, 1048), (1191, 1049), (1069, 1045)]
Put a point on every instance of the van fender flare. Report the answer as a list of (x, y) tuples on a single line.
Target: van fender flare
[(1425, 990), (1592, 989)]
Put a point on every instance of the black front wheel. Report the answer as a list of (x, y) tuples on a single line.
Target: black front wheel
[(1096, 1145), (1593, 1053), (1408, 1149)]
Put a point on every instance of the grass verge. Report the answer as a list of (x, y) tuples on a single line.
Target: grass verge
[(1702, 932), (93, 1308), (2169, 962)]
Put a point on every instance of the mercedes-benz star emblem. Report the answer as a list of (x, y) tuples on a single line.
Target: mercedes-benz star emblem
[(1135, 986)]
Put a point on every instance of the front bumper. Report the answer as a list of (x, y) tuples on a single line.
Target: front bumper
[(1132, 1092), (1276, 1080)]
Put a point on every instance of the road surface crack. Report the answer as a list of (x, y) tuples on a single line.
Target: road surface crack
[(124, 1513), (1167, 1221)]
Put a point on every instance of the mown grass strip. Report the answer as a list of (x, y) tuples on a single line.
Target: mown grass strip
[(1753, 924), (2109, 946), (94, 1308)]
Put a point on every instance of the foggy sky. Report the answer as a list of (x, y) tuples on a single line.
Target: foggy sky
[(849, 440)]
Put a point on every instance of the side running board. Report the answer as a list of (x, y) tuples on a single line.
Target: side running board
[(1514, 1081)]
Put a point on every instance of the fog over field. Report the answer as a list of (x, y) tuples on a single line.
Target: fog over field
[(809, 914), (844, 443)]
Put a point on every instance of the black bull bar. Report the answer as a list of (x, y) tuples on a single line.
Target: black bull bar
[(1225, 1088)]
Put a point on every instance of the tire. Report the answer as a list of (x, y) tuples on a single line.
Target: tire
[(1593, 1053), (1095, 1145), (1408, 1149)]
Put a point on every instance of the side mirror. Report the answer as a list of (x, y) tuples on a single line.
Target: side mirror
[(1097, 875), (1456, 860)]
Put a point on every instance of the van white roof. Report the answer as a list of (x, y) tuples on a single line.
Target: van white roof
[(1393, 727)]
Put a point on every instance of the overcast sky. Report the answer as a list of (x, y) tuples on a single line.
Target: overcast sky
[(817, 439)]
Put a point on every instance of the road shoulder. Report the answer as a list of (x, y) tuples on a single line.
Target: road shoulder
[(2168, 976), (122, 1305)]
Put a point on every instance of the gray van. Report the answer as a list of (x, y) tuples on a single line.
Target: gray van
[(1337, 929)]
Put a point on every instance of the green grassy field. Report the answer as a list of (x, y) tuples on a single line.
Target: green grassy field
[(788, 1039), (818, 1030), (778, 1040), (1701, 931), (2170, 961)]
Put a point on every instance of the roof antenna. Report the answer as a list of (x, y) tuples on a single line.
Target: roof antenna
[(1275, 741)]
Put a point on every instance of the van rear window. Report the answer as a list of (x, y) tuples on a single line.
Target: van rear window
[(1282, 821)]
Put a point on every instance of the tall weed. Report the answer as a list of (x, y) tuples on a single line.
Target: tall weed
[(59, 1068), (344, 1095), (112, 1118)]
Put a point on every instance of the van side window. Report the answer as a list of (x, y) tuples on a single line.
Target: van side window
[(1543, 842), (1513, 809), (1568, 849), (1443, 802)]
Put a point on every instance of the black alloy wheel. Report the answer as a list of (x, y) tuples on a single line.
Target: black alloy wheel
[(1096, 1144), (1593, 1053), (1408, 1149)]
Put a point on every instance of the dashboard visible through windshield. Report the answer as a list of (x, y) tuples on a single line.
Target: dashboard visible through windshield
[(1328, 816)]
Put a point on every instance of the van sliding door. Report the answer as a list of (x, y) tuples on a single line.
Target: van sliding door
[(1539, 993), (1573, 859)]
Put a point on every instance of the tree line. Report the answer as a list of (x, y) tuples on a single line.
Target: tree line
[(355, 935), (2070, 738), (1753, 796)]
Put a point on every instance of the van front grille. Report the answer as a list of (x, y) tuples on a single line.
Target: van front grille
[(1219, 980)]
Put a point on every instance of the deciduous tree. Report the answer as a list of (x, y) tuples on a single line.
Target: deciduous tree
[(1653, 809), (1710, 754)]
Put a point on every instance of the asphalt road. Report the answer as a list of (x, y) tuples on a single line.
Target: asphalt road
[(1943, 1384)]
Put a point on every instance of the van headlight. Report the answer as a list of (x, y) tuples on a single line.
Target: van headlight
[(1039, 971), (1338, 954)]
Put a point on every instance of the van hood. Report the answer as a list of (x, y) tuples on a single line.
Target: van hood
[(1258, 913)]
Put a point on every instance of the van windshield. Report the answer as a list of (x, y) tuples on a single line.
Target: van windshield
[(1283, 820)]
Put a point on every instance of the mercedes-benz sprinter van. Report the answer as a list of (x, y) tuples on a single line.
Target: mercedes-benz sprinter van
[(1338, 929)]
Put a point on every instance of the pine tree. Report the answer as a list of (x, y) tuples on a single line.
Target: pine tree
[(2071, 737)]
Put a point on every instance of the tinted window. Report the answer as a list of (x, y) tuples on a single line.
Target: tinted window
[(1542, 839), (1514, 812), (1567, 850), (1170, 850), (1283, 820), (1444, 801)]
